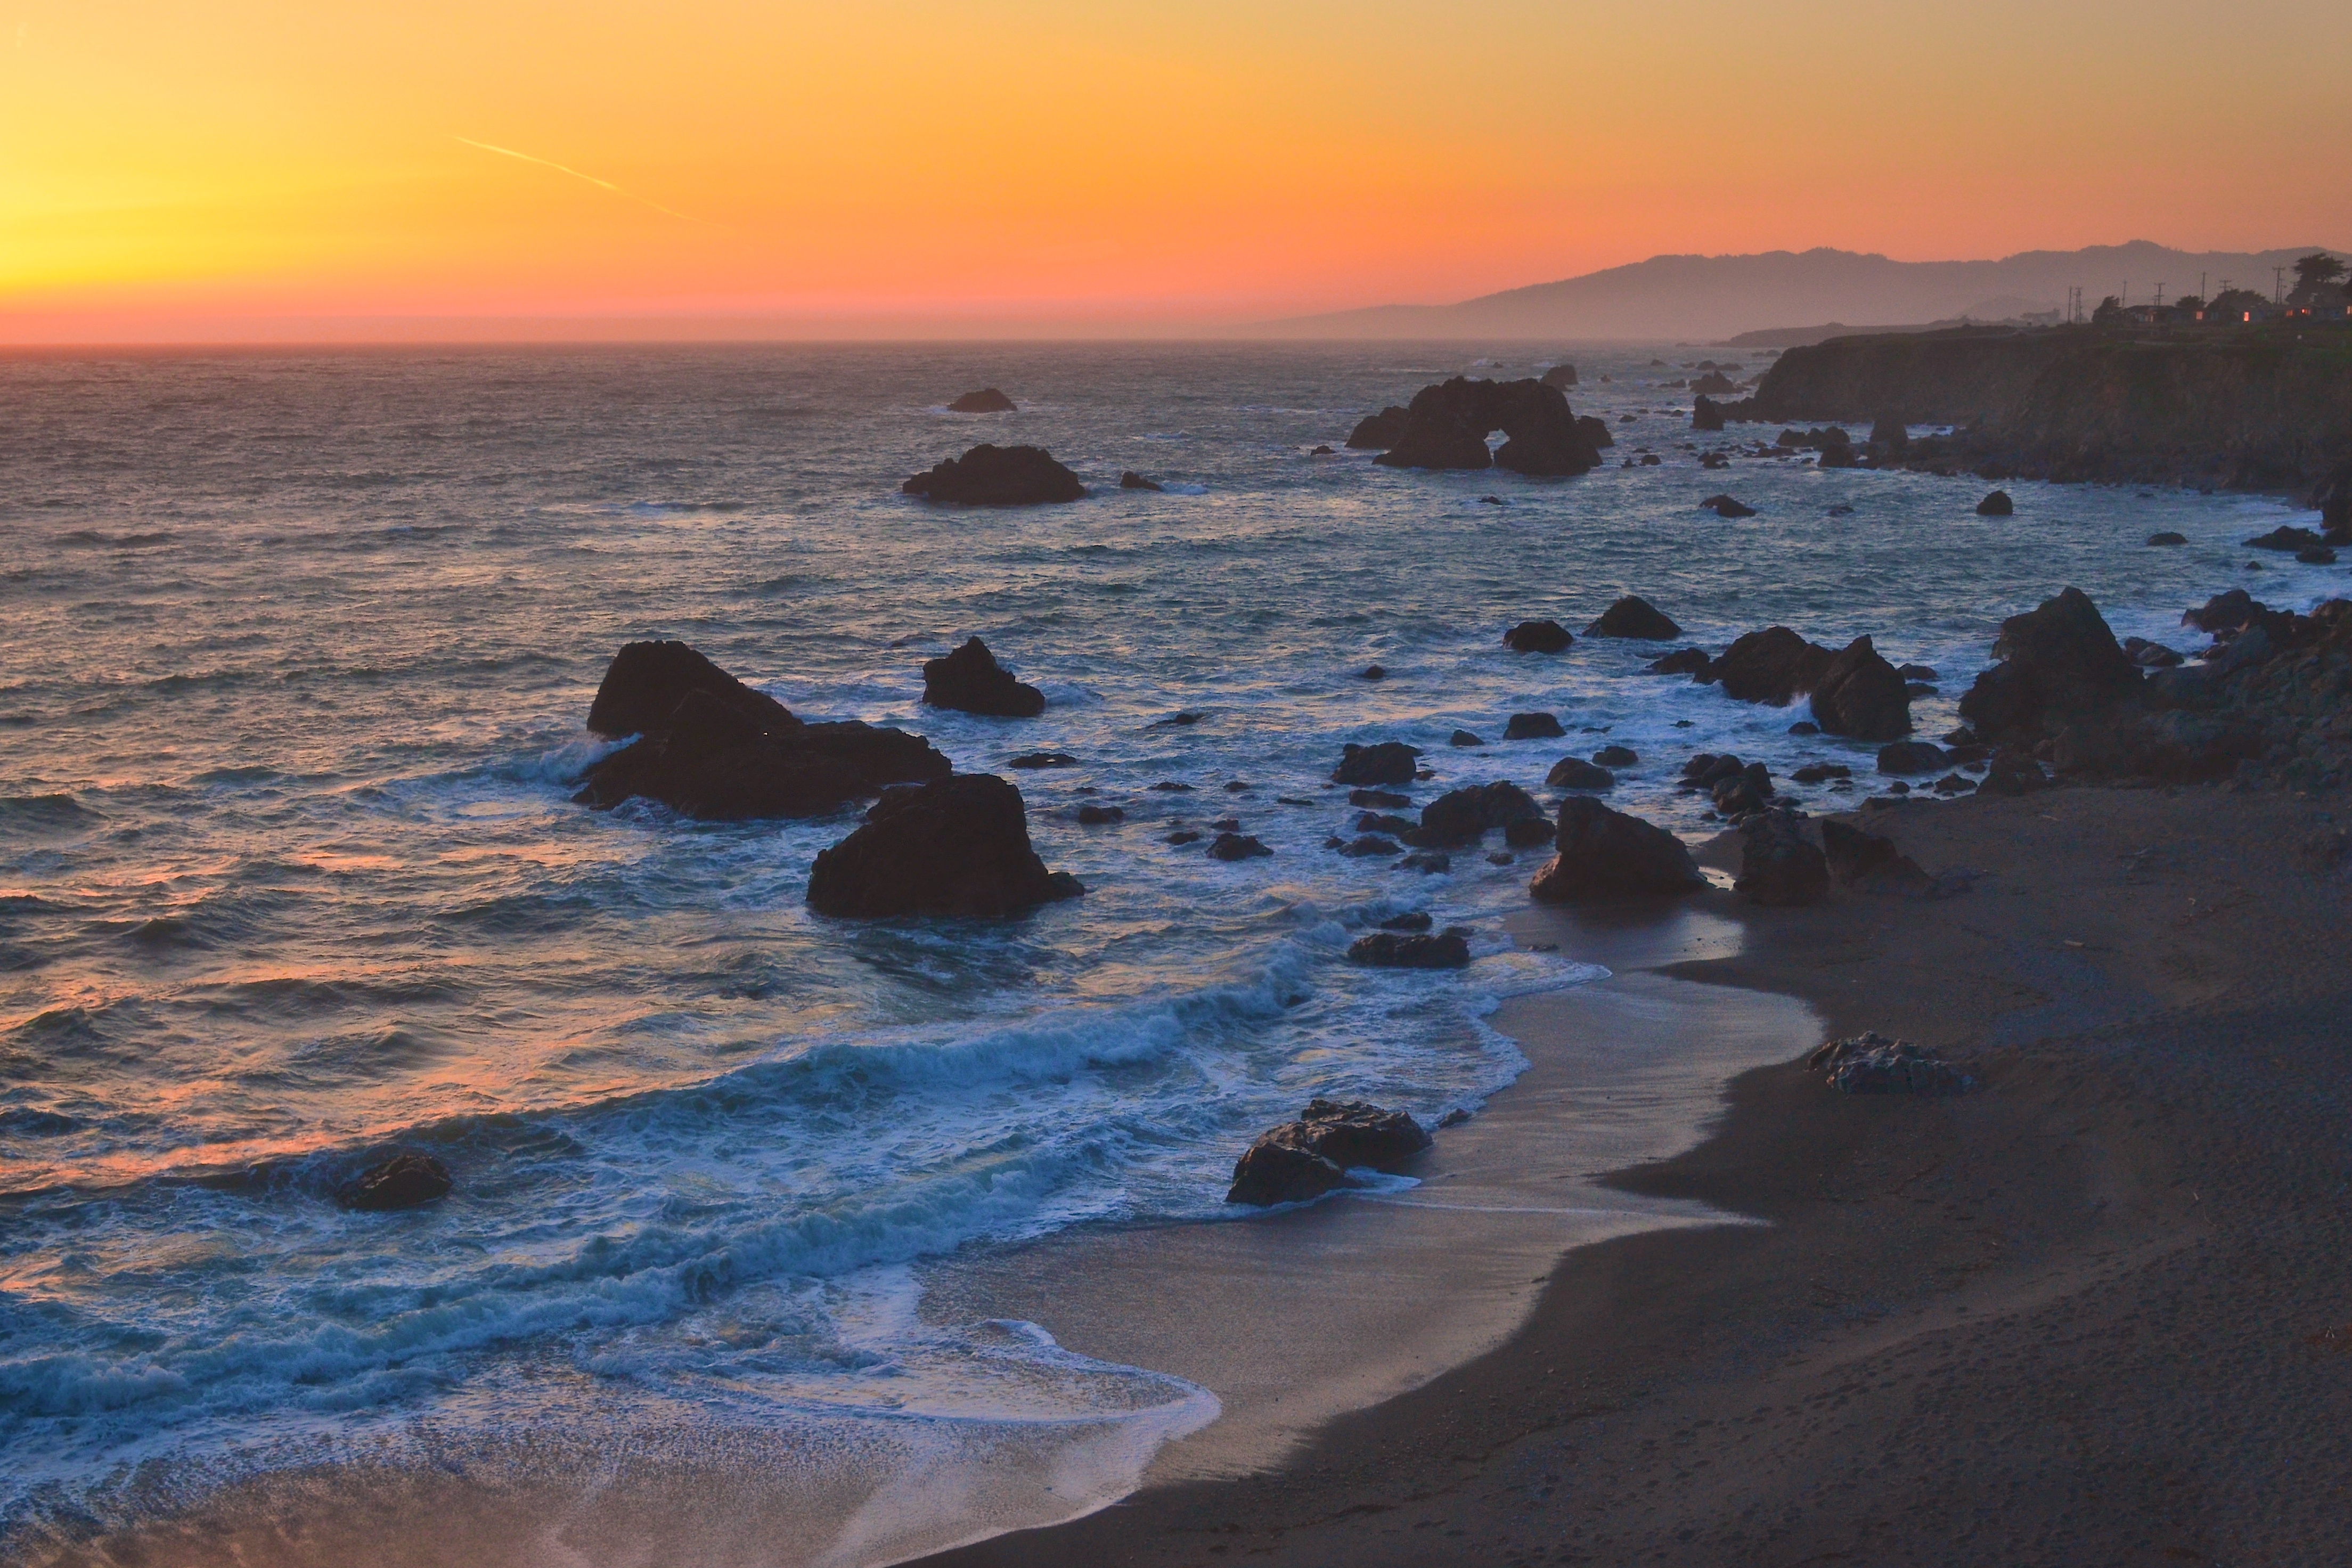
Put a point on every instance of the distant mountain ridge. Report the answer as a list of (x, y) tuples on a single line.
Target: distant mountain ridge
[(1711, 297)]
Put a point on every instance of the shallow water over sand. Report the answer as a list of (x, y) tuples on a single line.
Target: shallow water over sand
[(297, 649)]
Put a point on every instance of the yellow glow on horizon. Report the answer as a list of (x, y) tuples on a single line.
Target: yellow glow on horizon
[(251, 158)]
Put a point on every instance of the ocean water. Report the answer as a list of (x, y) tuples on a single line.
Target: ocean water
[(294, 659)]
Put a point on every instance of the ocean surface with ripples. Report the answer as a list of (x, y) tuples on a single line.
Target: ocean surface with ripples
[(298, 646)]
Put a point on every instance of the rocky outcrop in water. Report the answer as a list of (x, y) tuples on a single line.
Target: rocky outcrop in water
[(1449, 948), (1387, 761), (1634, 617), (1377, 432), (1774, 665), (1537, 637), (723, 753), (1605, 854), (2058, 661), (969, 681), (1311, 1156), (957, 847), (1463, 816), (1447, 425), (987, 400), (998, 476), (1560, 375), (1861, 696)]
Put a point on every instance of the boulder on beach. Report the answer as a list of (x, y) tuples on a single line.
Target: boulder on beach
[(1859, 695), (1871, 1063), (1911, 757), (1774, 665), (406, 1181), (1378, 431), (998, 476), (1449, 948), (1533, 726), (1131, 480), (969, 681), (987, 400), (2058, 661), (1308, 1157), (1997, 504), (1446, 426), (725, 753), (956, 846), (1777, 864), (1385, 762), (1461, 817), (1635, 617), (1869, 862), (1575, 772), (1727, 506), (1537, 637), (1606, 855)]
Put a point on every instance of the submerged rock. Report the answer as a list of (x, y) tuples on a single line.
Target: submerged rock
[(1237, 847), (1308, 1157), (406, 1181), (1449, 948), (1636, 617), (1684, 661), (987, 400), (957, 847), (970, 681), (998, 476), (1726, 507), (1604, 855), (1131, 480)]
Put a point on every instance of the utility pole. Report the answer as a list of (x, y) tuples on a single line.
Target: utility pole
[(2278, 286), (2159, 296), (2201, 287)]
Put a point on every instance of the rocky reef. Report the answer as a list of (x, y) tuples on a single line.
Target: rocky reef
[(1446, 426)]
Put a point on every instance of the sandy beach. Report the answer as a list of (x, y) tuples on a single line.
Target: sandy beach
[(2100, 1311)]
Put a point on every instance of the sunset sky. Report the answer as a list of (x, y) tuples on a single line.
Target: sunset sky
[(173, 168)]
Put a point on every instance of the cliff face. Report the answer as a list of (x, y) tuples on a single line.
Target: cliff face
[(2265, 410)]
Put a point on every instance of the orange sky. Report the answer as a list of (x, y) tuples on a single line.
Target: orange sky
[(174, 168)]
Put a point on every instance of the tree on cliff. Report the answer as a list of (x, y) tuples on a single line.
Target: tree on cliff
[(2317, 270), (2110, 312)]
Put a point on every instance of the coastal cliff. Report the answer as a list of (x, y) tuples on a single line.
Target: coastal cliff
[(2258, 410)]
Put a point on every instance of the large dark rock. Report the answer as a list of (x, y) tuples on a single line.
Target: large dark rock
[(2226, 612), (646, 680), (1596, 431), (1560, 375), (970, 681), (1912, 757), (1691, 661), (2291, 540), (1575, 772), (1387, 761), (987, 400), (998, 476), (726, 754), (1537, 637), (1532, 727), (1861, 696), (1869, 861), (1604, 854), (1463, 815), (1773, 666), (1446, 426), (1377, 431), (1238, 846), (1308, 1157), (1997, 504), (406, 1181), (957, 847), (2059, 661), (1725, 506), (1777, 864), (1634, 616), (1706, 416), (1449, 948)]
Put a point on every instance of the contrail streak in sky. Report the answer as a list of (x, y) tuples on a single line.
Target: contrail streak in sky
[(545, 162)]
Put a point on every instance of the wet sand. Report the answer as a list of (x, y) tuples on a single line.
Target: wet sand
[(2099, 1312)]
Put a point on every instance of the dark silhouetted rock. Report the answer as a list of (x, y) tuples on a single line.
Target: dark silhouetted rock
[(988, 400), (1183, 835), (1636, 617), (2059, 661), (2149, 655), (2168, 538), (1997, 504), (1386, 762), (2012, 773), (1461, 816), (1380, 430), (1377, 799), (2227, 612), (1450, 949), (1537, 637), (1560, 375), (1683, 661), (1369, 846), (1465, 738), (646, 680), (2332, 501), (1819, 772), (1322, 451), (1603, 855), (1131, 480), (2288, 540), (1889, 435), (1382, 822), (1910, 757), (1308, 1157), (1416, 919), (1597, 432), (1447, 425), (1575, 772), (970, 681), (1869, 861), (406, 1181), (1532, 727), (958, 847), (998, 476), (1773, 666), (1616, 756), (1093, 816), (1237, 847), (1372, 672), (1861, 696), (1707, 415), (1777, 864), (1044, 759), (2317, 556), (1727, 506)]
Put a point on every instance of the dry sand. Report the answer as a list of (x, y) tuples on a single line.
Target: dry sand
[(2100, 1312)]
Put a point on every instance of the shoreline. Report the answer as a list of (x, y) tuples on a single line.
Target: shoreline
[(1903, 1363)]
